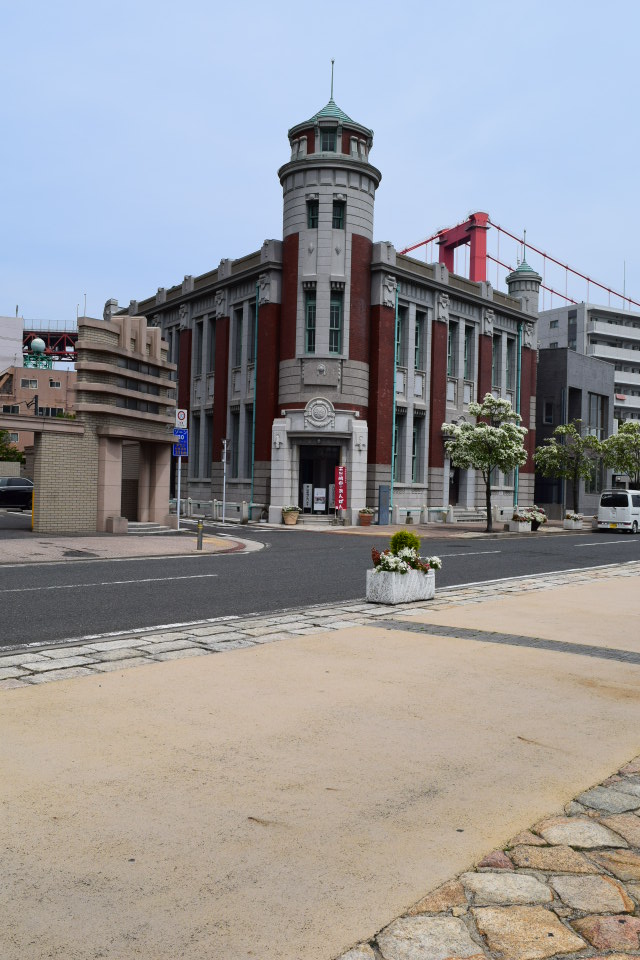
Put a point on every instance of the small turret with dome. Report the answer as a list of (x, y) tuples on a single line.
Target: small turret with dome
[(524, 284)]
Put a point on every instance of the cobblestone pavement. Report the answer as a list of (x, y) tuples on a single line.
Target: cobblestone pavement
[(567, 887)]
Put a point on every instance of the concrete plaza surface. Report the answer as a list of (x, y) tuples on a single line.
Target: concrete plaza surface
[(290, 799)]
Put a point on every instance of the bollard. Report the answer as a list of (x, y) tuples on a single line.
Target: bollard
[(200, 528)]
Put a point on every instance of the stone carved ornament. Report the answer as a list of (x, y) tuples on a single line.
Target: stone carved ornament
[(389, 291), (442, 313), (183, 316), (264, 282), (220, 304), (488, 317), (319, 414), (527, 335)]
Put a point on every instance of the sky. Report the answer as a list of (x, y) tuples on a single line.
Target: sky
[(141, 139)]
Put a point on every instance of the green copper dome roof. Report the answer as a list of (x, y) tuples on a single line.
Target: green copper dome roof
[(524, 268), (332, 111)]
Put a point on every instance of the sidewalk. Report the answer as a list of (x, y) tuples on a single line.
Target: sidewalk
[(296, 795), (35, 548)]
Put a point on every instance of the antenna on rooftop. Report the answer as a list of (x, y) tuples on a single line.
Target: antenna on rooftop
[(524, 246), (332, 63)]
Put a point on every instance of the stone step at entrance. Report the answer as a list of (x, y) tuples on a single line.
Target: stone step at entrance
[(138, 529), (465, 515)]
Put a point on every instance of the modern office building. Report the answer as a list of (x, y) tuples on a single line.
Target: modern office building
[(609, 334), (288, 352), (41, 392)]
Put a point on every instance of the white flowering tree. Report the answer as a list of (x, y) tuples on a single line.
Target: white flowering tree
[(495, 441), (622, 451), (570, 456)]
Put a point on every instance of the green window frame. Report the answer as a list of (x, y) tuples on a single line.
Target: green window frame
[(496, 360), (418, 355), (401, 332), (338, 215), (415, 454), (468, 353), (310, 321), (237, 338), (452, 360), (335, 323), (312, 214)]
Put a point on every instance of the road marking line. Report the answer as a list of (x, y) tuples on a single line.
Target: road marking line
[(601, 543), (476, 553), (106, 583)]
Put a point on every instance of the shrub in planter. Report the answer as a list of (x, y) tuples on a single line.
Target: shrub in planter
[(400, 574), (366, 516), (402, 539), (290, 514)]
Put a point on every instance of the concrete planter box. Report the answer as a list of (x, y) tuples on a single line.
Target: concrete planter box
[(519, 526), (572, 524), (392, 588)]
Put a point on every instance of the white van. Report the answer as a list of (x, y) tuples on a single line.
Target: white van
[(619, 510)]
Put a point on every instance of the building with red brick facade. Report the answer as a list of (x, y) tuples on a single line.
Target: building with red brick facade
[(325, 348)]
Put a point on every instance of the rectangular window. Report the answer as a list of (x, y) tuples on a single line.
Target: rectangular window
[(197, 350), (55, 384), (468, 353), (235, 442), (452, 343), (553, 324), (14, 437), (248, 439), (251, 348), (415, 452), (194, 446), (419, 341), (553, 345), (310, 321), (328, 139), (208, 444), (338, 215), (335, 323), (29, 384), (595, 481), (211, 345), (312, 214), (548, 412), (511, 363), (11, 408), (401, 336), (597, 416), (496, 360), (237, 338)]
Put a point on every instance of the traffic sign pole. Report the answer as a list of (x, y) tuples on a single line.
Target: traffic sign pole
[(179, 478)]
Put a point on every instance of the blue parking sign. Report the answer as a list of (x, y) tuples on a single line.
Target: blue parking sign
[(181, 445)]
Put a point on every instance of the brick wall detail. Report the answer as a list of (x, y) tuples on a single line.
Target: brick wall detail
[(289, 297), (380, 418), (221, 386), (266, 403), (438, 393), (360, 298)]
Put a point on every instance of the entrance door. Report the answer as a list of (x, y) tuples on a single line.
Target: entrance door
[(317, 468), (454, 486)]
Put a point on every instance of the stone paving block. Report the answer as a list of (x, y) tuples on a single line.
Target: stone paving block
[(525, 933), (552, 859), (449, 895), (505, 888), (593, 894), (227, 635), (11, 673), (629, 785), (167, 637), (498, 860), (106, 656), (69, 674), (167, 645), (67, 651), (527, 838), (630, 768), (16, 660), (362, 952), (228, 645), (270, 637), (125, 664), (578, 832), (608, 800), (209, 630), (610, 933), (12, 684), (435, 938), (47, 665), (180, 654), (120, 644), (623, 864), (627, 825)]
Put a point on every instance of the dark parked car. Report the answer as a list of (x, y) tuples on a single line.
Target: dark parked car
[(16, 492)]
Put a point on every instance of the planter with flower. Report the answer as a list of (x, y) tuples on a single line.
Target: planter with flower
[(572, 521), (527, 518), (365, 517), (290, 514), (400, 574)]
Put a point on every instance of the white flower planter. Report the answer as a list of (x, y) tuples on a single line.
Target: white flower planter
[(519, 526), (392, 588), (572, 524)]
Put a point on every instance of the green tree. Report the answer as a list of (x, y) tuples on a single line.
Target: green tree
[(8, 450), (495, 441), (569, 455), (622, 451)]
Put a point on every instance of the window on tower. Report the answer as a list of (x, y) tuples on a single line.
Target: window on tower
[(335, 323), (312, 214), (338, 215), (310, 321), (328, 140)]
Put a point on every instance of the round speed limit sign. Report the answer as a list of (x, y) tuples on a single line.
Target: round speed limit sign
[(181, 419)]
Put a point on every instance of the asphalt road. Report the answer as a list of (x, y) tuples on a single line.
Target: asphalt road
[(45, 603)]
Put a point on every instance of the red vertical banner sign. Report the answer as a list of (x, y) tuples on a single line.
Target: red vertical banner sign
[(341, 488)]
